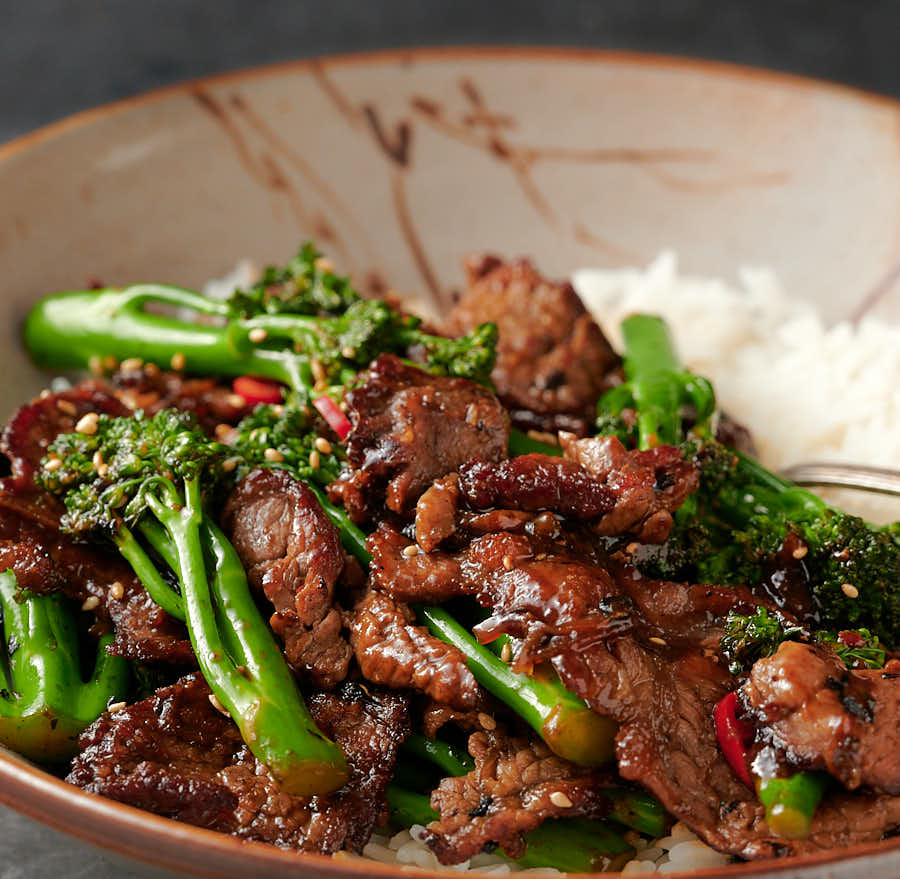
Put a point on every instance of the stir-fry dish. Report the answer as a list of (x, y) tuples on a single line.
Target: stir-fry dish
[(297, 567)]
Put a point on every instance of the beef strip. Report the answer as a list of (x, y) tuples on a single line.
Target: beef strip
[(293, 555), (822, 715), (209, 400), (410, 428), (45, 561), (176, 755), (36, 424), (553, 361), (516, 785), (393, 651)]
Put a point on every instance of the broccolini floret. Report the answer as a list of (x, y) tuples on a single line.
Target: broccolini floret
[(144, 483)]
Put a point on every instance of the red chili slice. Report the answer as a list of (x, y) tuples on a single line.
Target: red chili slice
[(733, 735), (257, 390), (331, 412)]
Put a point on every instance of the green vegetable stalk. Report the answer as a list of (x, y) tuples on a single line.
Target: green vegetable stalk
[(559, 717), (791, 802), (44, 703), (145, 478)]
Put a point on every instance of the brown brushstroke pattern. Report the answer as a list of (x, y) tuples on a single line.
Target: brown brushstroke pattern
[(396, 145)]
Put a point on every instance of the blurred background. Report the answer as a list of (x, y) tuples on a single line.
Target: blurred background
[(60, 56)]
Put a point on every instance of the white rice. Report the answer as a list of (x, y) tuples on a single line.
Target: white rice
[(806, 391)]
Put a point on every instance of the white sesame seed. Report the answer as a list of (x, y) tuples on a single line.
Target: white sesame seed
[(117, 706), (507, 562), (132, 363), (90, 602), (471, 413), (323, 445), (800, 552), (348, 352), (87, 424), (110, 363), (318, 370), (151, 369), (116, 591), (655, 640), (235, 400), (257, 334), (229, 464), (558, 798), (410, 551), (52, 464), (324, 264), (487, 722), (222, 430), (278, 410), (45, 393), (273, 456), (314, 460), (850, 590), (66, 406), (97, 461), (506, 652), (214, 701), (178, 361), (95, 365)]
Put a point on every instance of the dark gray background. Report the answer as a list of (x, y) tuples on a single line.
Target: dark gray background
[(57, 57)]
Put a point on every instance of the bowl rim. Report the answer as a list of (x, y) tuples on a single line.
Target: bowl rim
[(137, 834), (629, 57)]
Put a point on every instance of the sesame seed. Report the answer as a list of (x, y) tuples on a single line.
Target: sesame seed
[(506, 652), (324, 264), (348, 352), (344, 406), (214, 701), (95, 365), (151, 369), (116, 591), (66, 406), (132, 363), (540, 557), (800, 552), (850, 590), (323, 445), (487, 722), (543, 437), (558, 798), (257, 334), (318, 371), (52, 464), (178, 361), (314, 460), (235, 400), (408, 435), (410, 551), (97, 460), (273, 456), (222, 430), (90, 602), (116, 706), (87, 424), (45, 393), (229, 464), (660, 641), (507, 562), (321, 386), (471, 413), (110, 363)]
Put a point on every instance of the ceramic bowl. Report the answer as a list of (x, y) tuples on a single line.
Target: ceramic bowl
[(398, 163)]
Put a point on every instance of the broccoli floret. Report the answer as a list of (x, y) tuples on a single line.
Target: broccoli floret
[(751, 637), (143, 482), (859, 649)]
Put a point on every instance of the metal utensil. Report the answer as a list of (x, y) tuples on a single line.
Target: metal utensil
[(876, 479)]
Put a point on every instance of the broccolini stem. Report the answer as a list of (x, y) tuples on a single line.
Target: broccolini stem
[(791, 802), (239, 657), (157, 588), (450, 759), (48, 704), (559, 717), (572, 845)]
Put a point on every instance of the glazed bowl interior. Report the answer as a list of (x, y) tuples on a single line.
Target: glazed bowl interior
[(398, 164)]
